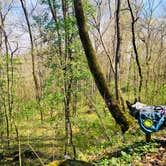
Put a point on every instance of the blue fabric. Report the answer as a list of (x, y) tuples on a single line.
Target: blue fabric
[(154, 114)]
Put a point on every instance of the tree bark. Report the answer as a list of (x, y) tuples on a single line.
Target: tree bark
[(6, 100), (135, 48), (117, 51), (68, 81), (121, 118), (32, 50), (36, 82), (53, 9)]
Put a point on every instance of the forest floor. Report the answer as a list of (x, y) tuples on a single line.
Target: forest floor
[(41, 143), (137, 154)]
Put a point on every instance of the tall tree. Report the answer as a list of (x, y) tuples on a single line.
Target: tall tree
[(133, 21), (121, 118), (7, 95), (36, 82), (65, 34), (68, 79), (117, 51)]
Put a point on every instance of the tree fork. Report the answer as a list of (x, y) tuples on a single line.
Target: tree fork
[(123, 119)]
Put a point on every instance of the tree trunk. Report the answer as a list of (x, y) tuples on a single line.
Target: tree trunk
[(36, 82), (117, 51), (68, 81), (121, 118), (53, 9), (135, 48)]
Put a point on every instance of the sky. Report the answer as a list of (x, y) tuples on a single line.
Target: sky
[(16, 25), (159, 7)]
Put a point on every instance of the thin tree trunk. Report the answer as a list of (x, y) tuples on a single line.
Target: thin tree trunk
[(134, 80), (18, 141), (117, 51), (75, 97), (92, 104), (37, 87), (8, 111), (121, 118), (135, 49), (68, 81), (53, 8), (106, 52), (118, 93), (7, 126), (1, 28), (7, 76), (128, 79)]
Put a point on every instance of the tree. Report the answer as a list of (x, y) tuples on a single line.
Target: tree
[(135, 47), (117, 52), (121, 118), (36, 82), (61, 26)]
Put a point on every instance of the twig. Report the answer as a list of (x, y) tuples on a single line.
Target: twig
[(36, 155), (98, 115)]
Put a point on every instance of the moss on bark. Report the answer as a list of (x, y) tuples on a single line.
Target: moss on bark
[(122, 118)]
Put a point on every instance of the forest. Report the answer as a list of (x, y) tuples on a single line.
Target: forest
[(83, 82)]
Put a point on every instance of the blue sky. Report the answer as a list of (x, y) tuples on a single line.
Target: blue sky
[(16, 18), (158, 5)]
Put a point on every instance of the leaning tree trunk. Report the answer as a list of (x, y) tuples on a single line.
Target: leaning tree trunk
[(123, 119)]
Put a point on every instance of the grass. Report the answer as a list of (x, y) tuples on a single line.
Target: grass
[(48, 139)]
